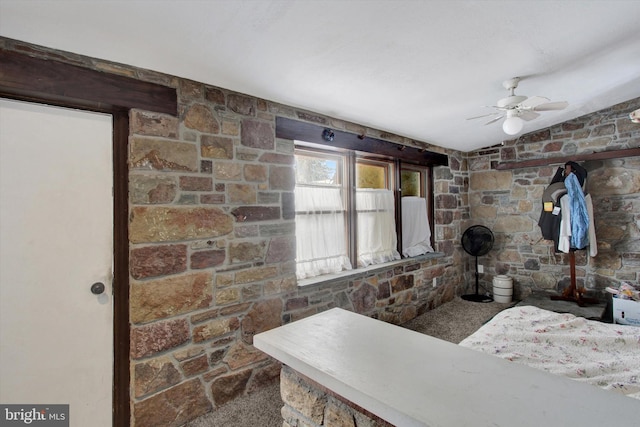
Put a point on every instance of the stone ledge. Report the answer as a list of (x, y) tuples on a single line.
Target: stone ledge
[(329, 279)]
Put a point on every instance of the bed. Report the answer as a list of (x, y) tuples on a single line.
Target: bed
[(602, 354)]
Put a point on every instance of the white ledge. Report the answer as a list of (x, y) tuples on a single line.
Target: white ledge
[(410, 379)]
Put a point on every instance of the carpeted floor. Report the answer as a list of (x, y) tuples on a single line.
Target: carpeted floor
[(452, 322), (455, 320)]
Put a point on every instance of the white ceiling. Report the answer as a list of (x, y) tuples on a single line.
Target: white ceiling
[(411, 67)]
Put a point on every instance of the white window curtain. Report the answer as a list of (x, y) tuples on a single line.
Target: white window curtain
[(321, 245), (377, 239)]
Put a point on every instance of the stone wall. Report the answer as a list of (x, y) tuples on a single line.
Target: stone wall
[(510, 201), (306, 403), (211, 251), (213, 247)]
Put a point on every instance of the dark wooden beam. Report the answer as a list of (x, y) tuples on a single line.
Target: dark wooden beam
[(120, 285), (33, 79), (602, 155), (309, 132)]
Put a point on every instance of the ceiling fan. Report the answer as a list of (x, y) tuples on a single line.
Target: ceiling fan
[(518, 108)]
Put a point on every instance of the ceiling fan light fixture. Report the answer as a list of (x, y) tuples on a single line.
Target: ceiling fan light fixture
[(516, 109), (512, 125)]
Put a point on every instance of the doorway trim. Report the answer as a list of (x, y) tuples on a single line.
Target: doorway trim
[(52, 82)]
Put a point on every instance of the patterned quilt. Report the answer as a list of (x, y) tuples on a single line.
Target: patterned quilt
[(605, 355)]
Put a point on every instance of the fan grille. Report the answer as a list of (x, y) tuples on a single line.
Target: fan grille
[(477, 240)]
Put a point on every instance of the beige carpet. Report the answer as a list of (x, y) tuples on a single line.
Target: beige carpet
[(452, 322), (455, 320)]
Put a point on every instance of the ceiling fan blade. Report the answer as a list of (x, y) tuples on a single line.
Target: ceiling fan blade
[(528, 115), (484, 115), (494, 119), (561, 105), (534, 101)]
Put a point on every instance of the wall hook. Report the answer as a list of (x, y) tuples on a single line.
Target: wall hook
[(328, 135)]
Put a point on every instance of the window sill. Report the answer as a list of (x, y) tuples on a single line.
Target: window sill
[(329, 279)]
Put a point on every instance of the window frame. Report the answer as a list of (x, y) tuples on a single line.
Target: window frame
[(348, 183), (426, 189), (405, 156)]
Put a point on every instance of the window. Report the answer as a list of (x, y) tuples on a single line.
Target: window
[(321, 214), (377, 240), (346, 207), (416, 233)]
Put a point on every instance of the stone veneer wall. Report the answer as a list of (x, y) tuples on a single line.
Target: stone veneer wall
[(212, 245), (510, 201), (306, 403)]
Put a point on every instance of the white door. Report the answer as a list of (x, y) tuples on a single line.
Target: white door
[(56, 240)]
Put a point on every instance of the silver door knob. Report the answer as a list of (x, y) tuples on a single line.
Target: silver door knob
[(97, 288)]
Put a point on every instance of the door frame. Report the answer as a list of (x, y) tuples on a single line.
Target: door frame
[(52, 82)]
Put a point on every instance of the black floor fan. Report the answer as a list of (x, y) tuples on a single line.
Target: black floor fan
[(477, 240)]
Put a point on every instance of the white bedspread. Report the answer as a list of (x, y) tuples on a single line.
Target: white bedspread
[(605, 355)]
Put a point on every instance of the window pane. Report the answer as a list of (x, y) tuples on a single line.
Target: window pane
[(371, 176), (411, 183), (317, 170)]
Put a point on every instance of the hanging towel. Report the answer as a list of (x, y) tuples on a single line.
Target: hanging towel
[(416, 234), (579, 214), (593, 245), (564, 232)]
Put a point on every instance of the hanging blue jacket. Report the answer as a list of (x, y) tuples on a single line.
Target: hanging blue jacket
[(579, 214)]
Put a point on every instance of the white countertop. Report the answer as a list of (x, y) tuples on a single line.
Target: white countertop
[(412, 379)]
